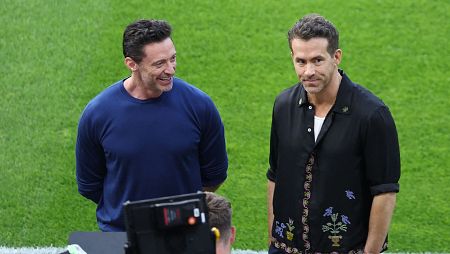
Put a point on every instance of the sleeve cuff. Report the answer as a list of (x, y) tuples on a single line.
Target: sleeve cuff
[(383, 188), (216, 177), (271, 175)]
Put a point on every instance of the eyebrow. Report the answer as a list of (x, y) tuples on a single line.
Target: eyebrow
[(165, 59), (312, 58), (157, 62)]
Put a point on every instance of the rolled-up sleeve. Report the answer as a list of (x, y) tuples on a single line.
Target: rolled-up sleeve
[(382, 153)]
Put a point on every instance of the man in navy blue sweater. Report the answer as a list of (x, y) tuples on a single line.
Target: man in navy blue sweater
[(150, 134)]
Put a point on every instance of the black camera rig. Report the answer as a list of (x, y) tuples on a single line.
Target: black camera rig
[(175, 224)]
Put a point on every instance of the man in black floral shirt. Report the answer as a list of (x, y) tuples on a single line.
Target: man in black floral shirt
[(334, 154)]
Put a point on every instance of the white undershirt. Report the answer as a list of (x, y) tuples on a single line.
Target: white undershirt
[(318, 122)]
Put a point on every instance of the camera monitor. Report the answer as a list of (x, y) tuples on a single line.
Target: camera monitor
[(175, 224)]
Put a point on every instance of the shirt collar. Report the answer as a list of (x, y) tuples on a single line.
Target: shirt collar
[(343, 99), (303, 98), (343, 104)]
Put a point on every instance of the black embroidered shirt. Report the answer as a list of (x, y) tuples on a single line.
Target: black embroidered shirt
[(324, 188)]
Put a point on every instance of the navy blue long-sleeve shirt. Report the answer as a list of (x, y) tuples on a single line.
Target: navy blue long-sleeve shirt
[(131, 149)]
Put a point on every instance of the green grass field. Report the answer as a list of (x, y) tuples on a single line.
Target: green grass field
[(57, 55)]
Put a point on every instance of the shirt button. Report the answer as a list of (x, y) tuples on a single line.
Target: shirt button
[(309, 129), (310, 107)]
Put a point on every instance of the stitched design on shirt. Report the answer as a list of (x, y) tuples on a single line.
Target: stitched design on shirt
[(284, 247), (290, 250), (279, 229), (306, 197), (286, 228), (291, 227), (350, 194), (335, 226)]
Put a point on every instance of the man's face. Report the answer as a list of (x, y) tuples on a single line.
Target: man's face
[(157, 68), (313, 64)]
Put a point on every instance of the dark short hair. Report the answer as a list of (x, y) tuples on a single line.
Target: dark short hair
[(219, 211), (142, 32), (315, 26)]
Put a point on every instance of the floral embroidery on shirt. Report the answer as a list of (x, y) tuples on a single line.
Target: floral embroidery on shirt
[(292, 250), (279, 228), (328, 212), (283, 246), (335, 227), (345, 219), (289, 233), (350, 194), (307, 196)]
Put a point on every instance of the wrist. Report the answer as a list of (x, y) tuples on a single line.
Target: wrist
[(370, 251)]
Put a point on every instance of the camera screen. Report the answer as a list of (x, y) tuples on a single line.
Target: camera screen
[(176, 224)]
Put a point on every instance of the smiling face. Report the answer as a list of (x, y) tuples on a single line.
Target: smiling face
[(156, 70), (315, 67)]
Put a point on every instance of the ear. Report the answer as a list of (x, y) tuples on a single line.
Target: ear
[(338, 56), (233, 235), (131, 64)]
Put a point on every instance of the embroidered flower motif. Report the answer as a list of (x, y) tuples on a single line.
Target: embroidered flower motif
[(279, 227), (345, 219), (350, 194), (335, 227), (328, 212), (291, 227)]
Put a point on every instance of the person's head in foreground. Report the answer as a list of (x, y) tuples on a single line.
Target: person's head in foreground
[(220, 217)]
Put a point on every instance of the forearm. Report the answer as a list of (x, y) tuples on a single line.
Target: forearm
[(379, 221), (270, 189)]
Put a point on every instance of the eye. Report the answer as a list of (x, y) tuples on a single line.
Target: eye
[(159, 64), (318, 61), (300, 61)]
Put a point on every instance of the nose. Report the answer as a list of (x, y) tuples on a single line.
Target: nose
[(170, 69), (309, 70)]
